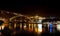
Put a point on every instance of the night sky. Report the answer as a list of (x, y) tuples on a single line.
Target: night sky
[(31, 8)]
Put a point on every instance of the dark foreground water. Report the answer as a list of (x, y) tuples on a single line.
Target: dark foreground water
[(31, 34), (26, 33)]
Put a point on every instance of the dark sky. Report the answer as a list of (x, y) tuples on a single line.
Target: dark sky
[(41, 8)]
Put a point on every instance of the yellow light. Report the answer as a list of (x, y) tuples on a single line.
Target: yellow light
[(20, 25), (58, 27), (15, 25), (32, 26), (24, 26), (39, 28), (41, 17), (36, 29), (29, 26), (3, 27)]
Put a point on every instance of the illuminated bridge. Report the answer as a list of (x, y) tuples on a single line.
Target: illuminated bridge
[(18, 23), (14, 22)]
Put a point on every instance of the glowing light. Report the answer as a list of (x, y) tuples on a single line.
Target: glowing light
[(39, 28), (29, 26), (14, 25), (36, 29), (51, 26), (3, 27), (32, 26), (40, 21), (20, 25), (41, 17), (24, 26), (58, 27)]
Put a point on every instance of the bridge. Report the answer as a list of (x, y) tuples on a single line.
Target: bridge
[(19, 22)]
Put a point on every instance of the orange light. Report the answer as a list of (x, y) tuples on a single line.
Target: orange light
[(36, 29)]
